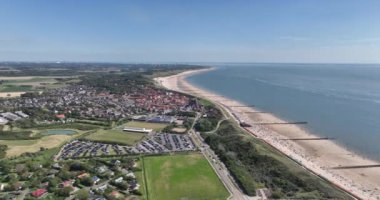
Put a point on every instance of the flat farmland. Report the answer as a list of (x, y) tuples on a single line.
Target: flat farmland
[(18, 147), (30, 83), (187, 177)]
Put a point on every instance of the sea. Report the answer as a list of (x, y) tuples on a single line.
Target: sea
[(340, 101)]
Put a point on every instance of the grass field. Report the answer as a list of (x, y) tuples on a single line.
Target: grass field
[(16, 88), (18, 147), (154, 126), (29, 83), (182, 177), (140, 179), (116, 136)]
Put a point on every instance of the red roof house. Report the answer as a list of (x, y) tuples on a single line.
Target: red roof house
[(60, 116), (67, 183), (39, 192)]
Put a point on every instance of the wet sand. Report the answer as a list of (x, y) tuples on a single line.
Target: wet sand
[(318, 156)]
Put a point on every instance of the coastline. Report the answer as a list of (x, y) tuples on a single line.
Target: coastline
[(318, 156)]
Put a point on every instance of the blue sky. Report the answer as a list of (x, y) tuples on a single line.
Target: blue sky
[(326, 31)]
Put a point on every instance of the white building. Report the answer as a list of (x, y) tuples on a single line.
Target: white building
[(3, 121), (119, 180), (138, 130), (21, 114), (10, 116)]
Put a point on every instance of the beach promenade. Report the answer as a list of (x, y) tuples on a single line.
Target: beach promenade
[(324, 158)]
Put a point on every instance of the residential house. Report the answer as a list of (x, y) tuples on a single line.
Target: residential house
[(119, 180), (39, 193), (95, 179)]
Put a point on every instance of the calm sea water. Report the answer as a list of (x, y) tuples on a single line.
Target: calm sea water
[(340, 101)]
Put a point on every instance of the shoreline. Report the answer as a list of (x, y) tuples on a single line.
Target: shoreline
[(318, 156)]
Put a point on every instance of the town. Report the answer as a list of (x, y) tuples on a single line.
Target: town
[(117, 134), (85, 102), (105, 133), (94, 179)]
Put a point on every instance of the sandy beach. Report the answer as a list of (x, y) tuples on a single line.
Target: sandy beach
[(318, 156)]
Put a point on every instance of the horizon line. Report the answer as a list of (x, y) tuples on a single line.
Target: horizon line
[(189, 62)]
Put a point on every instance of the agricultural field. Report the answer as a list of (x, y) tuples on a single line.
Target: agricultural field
[(116, 136), (10, 94), (18, 147), (182, 177), (31, 140), (155, 126), (31, 83)]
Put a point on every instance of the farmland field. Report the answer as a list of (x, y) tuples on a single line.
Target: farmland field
[(182, 177), (18, 147), (116, 136), (30, 83), (10, 94), (154, 126)]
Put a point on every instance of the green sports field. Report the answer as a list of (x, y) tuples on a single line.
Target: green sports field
[(154, 126), (187, 177), (116, 136)]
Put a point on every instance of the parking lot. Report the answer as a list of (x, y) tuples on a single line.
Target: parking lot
[(156, 144)]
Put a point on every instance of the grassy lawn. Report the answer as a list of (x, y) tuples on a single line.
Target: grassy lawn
[(18, 142), (18, 147), (116, 136), (154, 126), (16, 88), (205, 102), (140, 179), (25, 84), (182, 177)]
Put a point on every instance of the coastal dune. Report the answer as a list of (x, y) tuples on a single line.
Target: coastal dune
[(322, 157)]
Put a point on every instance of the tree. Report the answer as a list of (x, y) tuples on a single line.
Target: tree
[(53, 183), (204, 125), (3, 150), (78, 166), (87, 181), (5, 166), (65, 175), (82, 194), (64, 192)]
